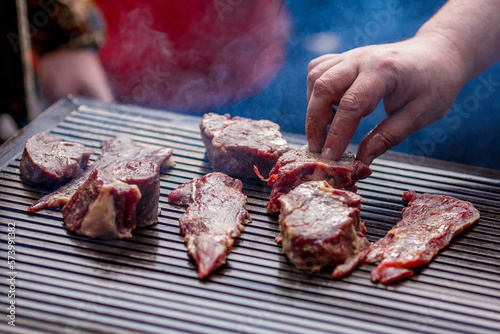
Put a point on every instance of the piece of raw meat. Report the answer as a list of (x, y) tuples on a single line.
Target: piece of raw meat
[(145, 174), (300, 165), (235, 145), (102, 207), (47, 160), (215, 216), (428, 225), (320, 226), (115, 153)]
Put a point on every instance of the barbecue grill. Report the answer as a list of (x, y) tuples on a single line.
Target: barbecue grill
[(148, 284)]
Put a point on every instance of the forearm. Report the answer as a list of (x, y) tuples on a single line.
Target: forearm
[(471, 30)]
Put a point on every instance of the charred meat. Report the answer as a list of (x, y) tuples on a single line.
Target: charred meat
[(215, 216), (235, 145), (115, 153), (102, 207), (428, 225), (300, 165), (47, 160), (320, 226)]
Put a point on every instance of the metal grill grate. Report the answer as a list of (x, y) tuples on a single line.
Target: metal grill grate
[(72, 284)]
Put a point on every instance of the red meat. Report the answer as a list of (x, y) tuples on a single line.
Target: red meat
[(102, 207), (300, 165), (115, 153), (215, 216), (429, 223), (234, 146), (145, 174), (47, 160), (320, 226)]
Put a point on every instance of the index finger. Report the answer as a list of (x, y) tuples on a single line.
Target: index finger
[(317, 68), (357, 102), (327, 89)]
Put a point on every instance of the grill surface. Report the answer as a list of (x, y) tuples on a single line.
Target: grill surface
[(71, 284)]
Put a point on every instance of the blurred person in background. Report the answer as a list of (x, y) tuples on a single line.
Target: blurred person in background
[(191, 55), (182, 55), (62, 42)]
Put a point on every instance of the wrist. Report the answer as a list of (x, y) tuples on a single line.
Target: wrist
[(451, 56), (470, 31)]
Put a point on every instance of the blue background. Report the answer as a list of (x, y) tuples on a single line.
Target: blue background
[(469, 133)]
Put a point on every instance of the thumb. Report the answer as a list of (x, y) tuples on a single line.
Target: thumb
[(391, 132)]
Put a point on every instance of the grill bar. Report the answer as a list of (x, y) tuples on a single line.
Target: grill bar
[(228, 291), (148, 283)]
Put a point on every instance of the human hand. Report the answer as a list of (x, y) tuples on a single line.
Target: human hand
[(418, 79), (77, 72)]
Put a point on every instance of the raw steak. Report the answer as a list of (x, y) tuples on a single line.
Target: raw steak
[(47, 160), (102, 207), (145, 174), (300, 165), (215, 216), (429, 223), (320, 226), (115, 153), (235, 145)]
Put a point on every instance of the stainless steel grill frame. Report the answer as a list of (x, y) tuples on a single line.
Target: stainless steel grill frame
[(148, 284)]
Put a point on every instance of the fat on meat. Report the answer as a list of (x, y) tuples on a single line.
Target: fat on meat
[(429, 223), (215, 216), (102, 207), (115, 153), (112, 203)]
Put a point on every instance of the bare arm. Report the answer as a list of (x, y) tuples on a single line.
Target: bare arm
[(418, 79), (78, 72), (66, 43), (473, 27)]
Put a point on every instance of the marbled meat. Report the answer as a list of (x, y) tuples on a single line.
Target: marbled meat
[(215, 216), (428, 225), (47, 160), (235, 145), (320, 226), (115, 152), (300, 165), (102, 207)]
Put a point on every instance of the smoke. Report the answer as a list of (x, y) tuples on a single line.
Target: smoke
[(218, 53), (261, 71), (323, 42)]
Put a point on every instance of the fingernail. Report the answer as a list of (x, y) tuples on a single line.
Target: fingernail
[(314, 148), (327, 154)]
